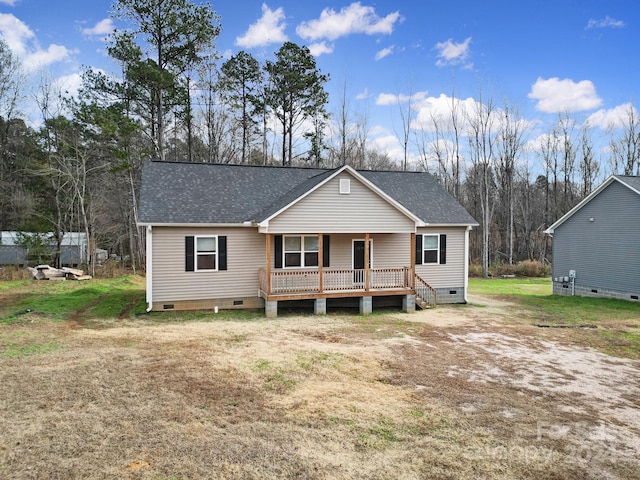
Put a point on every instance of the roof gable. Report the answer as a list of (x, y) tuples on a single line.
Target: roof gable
[(308, 188), (631, 182), (324, 208)]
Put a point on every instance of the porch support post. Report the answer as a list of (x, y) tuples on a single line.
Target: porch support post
[(320, 306), (366, 305), (271, 308), (409, 303), (320, 265), (268, 264), (412, 260), (366, 262)]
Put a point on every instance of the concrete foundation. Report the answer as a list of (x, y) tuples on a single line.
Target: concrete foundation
[(366, 305), (409, 303), (271, 309), (320, 306)]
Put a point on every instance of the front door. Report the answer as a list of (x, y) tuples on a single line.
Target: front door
[(358, 260)]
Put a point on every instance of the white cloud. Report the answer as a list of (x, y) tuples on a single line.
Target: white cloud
[(11, 3), (385, 52), (387, 99), (41, 58), (319, 48), (363, 95), (103, 27), (355, 18), (393, 99), (267, 30), (451, 53), (15, 33), (22, 41), (606, 22), (439, 109), (555, 95), (615, 117), (69, 84)]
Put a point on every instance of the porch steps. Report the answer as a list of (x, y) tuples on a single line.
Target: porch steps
[(425, 294), (422, 304)]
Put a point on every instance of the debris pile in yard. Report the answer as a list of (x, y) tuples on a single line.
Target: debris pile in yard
[(47, 272)]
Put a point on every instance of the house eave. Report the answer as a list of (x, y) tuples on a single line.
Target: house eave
[(197, 225), (442, 225)]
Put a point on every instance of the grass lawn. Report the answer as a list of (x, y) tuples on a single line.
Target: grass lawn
[(92, 387), (615, 324)]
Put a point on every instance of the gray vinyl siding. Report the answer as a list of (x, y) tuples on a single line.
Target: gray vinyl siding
[(452, 274), (15, 255), (391, 250), (605, 252), (245, 255), (325, 210)]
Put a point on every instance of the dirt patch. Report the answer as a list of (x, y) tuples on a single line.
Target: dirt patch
[(455, 392)]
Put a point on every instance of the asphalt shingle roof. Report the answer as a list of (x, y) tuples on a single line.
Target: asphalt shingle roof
[(192, 193), (632, 181)]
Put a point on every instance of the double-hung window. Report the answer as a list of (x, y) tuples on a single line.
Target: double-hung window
[(430, 249), (207, 253), (300, 251)]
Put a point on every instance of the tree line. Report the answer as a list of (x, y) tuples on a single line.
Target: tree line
[(176, 99)]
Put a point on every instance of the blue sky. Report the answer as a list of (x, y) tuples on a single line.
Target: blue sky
[(545, 57)]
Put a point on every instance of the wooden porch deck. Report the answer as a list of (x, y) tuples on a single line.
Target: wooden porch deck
[(334, 283)]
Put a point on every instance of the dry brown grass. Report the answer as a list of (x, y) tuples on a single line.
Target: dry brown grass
[(448, 393)]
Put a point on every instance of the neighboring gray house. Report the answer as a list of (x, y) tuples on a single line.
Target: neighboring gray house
[(73, 248), (596, 245), (239, 236)]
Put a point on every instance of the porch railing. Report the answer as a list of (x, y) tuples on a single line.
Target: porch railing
[(425, 293), (333, 280)]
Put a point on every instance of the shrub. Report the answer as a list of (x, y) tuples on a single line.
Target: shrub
[(532, 268), (501, 269), (525, 268), (475, 270)]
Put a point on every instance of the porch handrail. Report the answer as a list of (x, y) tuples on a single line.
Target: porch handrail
[(308, 281), (425, 291)]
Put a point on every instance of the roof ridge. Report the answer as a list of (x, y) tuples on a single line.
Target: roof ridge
[(235, 165)]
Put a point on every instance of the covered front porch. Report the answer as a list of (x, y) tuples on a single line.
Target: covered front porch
[(297, 269)]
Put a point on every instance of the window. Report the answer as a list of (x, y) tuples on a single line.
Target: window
[(430, 249), (206, 253), (300, 251)]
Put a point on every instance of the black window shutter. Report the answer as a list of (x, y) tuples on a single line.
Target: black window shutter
[(443, 249), (277, 245), (325, 251), (189, 254), (222, 252), (418, 249)]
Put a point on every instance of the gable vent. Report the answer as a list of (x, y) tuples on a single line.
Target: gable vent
[(345, 186)]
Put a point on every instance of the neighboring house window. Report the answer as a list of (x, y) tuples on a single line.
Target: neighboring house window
[(431, 249), (206, 253), (300, 251)]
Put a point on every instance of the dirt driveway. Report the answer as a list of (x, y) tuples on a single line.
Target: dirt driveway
[(522, 376), (455, 392)]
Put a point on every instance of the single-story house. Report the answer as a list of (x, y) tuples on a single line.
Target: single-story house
[(241, 236), (596, 245)]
